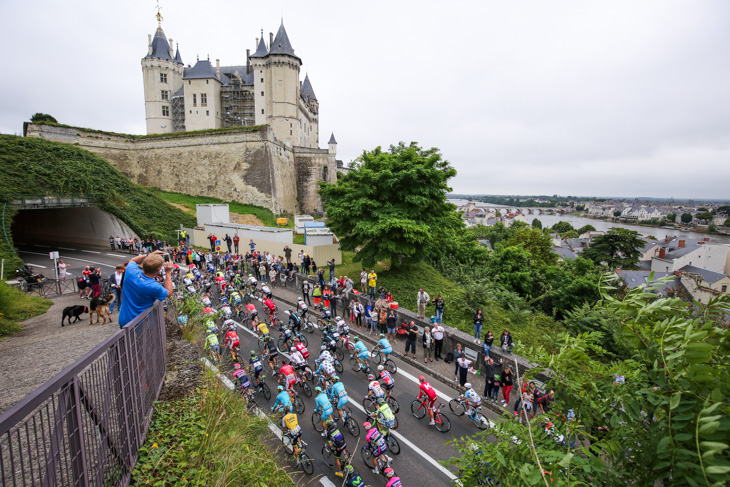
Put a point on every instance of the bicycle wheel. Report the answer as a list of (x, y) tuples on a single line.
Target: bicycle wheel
[(266, 391), (317, 422), (418, 409), (309, 327), (393, 403), (352, 426), (303, 339), (306, 464), (298, 405), (366, 455), (338, 366), (393, 444), (286, 441), (395, 423), (309, 374), (368, 403), (328, 456), (339, 355), (375, 356), (391, 367), (481, 421), (307, 389), (281, 345), (457, 407), (261, 344), (442, 423)]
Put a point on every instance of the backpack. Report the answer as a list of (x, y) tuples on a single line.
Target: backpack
[(449, 358), (383, 316)]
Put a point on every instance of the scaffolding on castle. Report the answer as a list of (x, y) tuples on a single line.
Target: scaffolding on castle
[(178, 113), (238, 104)]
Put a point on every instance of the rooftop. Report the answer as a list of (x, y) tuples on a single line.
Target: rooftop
[(708, 276)]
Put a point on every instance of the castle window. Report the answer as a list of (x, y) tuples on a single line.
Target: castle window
[(325, 171), (165, 111), (207, 113), (163, 77), (262, 80), (203, 100), (262, 111), (165, 95), (206, 82), (195, 100)]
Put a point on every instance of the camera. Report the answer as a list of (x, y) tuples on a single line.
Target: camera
[(166, 256)]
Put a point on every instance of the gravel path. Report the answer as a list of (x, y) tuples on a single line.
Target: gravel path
[(43, 348)]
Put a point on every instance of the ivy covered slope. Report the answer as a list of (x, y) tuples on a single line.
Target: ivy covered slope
[(38, 166)]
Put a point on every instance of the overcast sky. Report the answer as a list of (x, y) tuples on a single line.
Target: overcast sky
[(627, 98)]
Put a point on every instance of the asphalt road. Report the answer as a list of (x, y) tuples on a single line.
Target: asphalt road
[(422, 445)]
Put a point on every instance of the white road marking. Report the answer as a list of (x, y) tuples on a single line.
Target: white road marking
[(113, 255), (327, 482), (66, 248), (38, 265), (67, 258), (38, 245), (91, 251)]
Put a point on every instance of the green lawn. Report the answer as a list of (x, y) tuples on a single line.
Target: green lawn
[(16, 306)]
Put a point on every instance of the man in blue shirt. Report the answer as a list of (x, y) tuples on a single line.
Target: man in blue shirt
[(140, 288)]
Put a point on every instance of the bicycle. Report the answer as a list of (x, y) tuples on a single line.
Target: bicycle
[(373, 414), (303, 460), (349, 422), (214, 356), (388, 363), (331, 342), (370, 403), (442, 422), (383, 461), (308, 325), (359, 365), (262, 386), (297, 402), (328, 455), (303, 385), (459, 407), (283, 347), (390, 440)]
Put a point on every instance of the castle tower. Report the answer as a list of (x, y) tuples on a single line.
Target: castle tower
[(202, 86), (162, 72), (332, 145), (309, 115)]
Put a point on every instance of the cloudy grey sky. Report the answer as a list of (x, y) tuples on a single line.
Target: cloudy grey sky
[(628, 98)]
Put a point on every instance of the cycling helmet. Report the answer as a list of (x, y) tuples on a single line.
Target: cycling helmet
[(338, 318), (382, 335), (349, 469), (287, 409), (335, 378), (210, 332), (421, 378), (371, 377), (292, 350), (279, 388), (323, 347), (467, 385), (356, 339), (299, 300), (253, 353), (291, 310), (236, 366), (366, 425), (250, 275), (380, 368), (317, 389), (388, 472), (331, 425), (381, 401)]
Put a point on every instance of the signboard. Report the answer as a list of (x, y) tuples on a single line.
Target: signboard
[(54, 255), (320, 231), (218, 245)]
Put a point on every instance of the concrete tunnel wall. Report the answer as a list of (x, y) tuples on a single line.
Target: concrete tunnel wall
[(83, 225)]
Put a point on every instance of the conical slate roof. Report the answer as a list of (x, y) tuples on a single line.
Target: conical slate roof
[(178, 58), (307, 91), (202, 70), (160, 46), (332, 139), (281, 43), (261, 50)]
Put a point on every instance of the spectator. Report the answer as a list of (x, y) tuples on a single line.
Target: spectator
[(438, 338), (439, 302), (229, 242), (287, 254), (489, 371), (488, 340), (331, 264), (236, 241), (411, 339), (140, 288), (333, 303), (348, 287), (314, 266), (457, 355), (317, 295), (252, 245), (506, 383), (307, 264), (326, 296), (111, 242), (301, 259), (115, 282), (543, 402), (391, 323), (213, 239), (422, 298), (505, 341), (389, 297), (495, 388), (62, 266), (320, 278), (272, 276), (427, 345), (94, 281), (372, 283), (369, 317), (363, 281), (478, 322), (463, 364)]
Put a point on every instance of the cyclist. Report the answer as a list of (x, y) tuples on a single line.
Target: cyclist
[(236, 300), (291, 426), (336, 442), (297, 359), (228, 324), (295, 321), (252, 315), (263, 331), (384, 346), (257, 366), (361, 352), (325, 315), (211, 342), (273, 352), (211, 326), (270, 309), (338, 391), (393, 479), (285, 332), (376, 442), (352, 478), (265, 289), (322, 406), (384, 414), (342, 328), (472, 398), (237, 281), (301, 348), (206, 300), (283, 399), (388, 381), (302, 307), (425, 389), (251, 283), (240, 375), (286, 373), (208, 311), (232, 340), (326, 365), (374, 388)]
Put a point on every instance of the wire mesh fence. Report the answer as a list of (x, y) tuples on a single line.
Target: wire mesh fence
[(85, 426)]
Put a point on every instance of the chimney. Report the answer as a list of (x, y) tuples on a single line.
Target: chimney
[(218, 68), (172, 52), (149, 43), (248, 61), (662, 253), (700, 242), (681, 244), (257, 42), (271, 40), (707, 239)]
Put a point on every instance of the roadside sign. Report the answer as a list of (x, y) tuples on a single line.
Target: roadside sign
[(54, 255)]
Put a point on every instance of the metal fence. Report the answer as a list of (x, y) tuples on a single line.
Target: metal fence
[(85, 426)]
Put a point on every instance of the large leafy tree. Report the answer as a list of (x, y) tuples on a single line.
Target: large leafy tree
[(618, 248), (392, 205), (686, 217), (536, 243), (42, 117), (669, 424)]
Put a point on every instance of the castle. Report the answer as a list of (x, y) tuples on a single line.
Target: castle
[(266, 90)]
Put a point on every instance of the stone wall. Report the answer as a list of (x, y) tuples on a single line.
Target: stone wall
[(313, 166), (248, 167)]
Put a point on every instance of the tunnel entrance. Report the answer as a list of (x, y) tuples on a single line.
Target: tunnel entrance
[(80, 225)]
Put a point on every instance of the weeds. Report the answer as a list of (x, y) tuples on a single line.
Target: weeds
[(16, 306)]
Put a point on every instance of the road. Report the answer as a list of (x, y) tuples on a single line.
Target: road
[(422, 445)]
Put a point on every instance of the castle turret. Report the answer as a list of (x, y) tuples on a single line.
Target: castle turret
[(332, 145), (202, 87), (162, 77)]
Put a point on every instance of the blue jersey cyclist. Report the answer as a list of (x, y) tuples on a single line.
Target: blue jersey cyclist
[(361, 351), (384, 345), (338, 392), (322, 406), (283, 399), (352, 478)]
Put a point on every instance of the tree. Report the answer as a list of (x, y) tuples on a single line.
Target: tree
[(536, 223), (616, 213), (686, 218), (586, 229), (705, 215), (561, 227), (42, 117), (538, 245), (668, 424), (571, 234), (672, 217), (392, 205), (727, 223), (619, 248)]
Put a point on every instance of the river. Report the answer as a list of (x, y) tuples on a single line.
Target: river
[(580, 221)]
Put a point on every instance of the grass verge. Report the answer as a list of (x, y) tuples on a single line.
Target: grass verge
[(16, 306)]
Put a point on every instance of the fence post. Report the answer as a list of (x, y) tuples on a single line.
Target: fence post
[(74, 423)]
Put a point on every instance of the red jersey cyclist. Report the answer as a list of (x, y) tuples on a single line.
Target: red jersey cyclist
[(426, 390)]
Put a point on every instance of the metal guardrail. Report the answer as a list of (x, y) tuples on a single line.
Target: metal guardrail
[(85, 426)]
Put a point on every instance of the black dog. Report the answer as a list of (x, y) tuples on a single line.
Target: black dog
[(73, 312)]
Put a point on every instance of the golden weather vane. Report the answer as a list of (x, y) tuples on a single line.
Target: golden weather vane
[(159, 15)]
